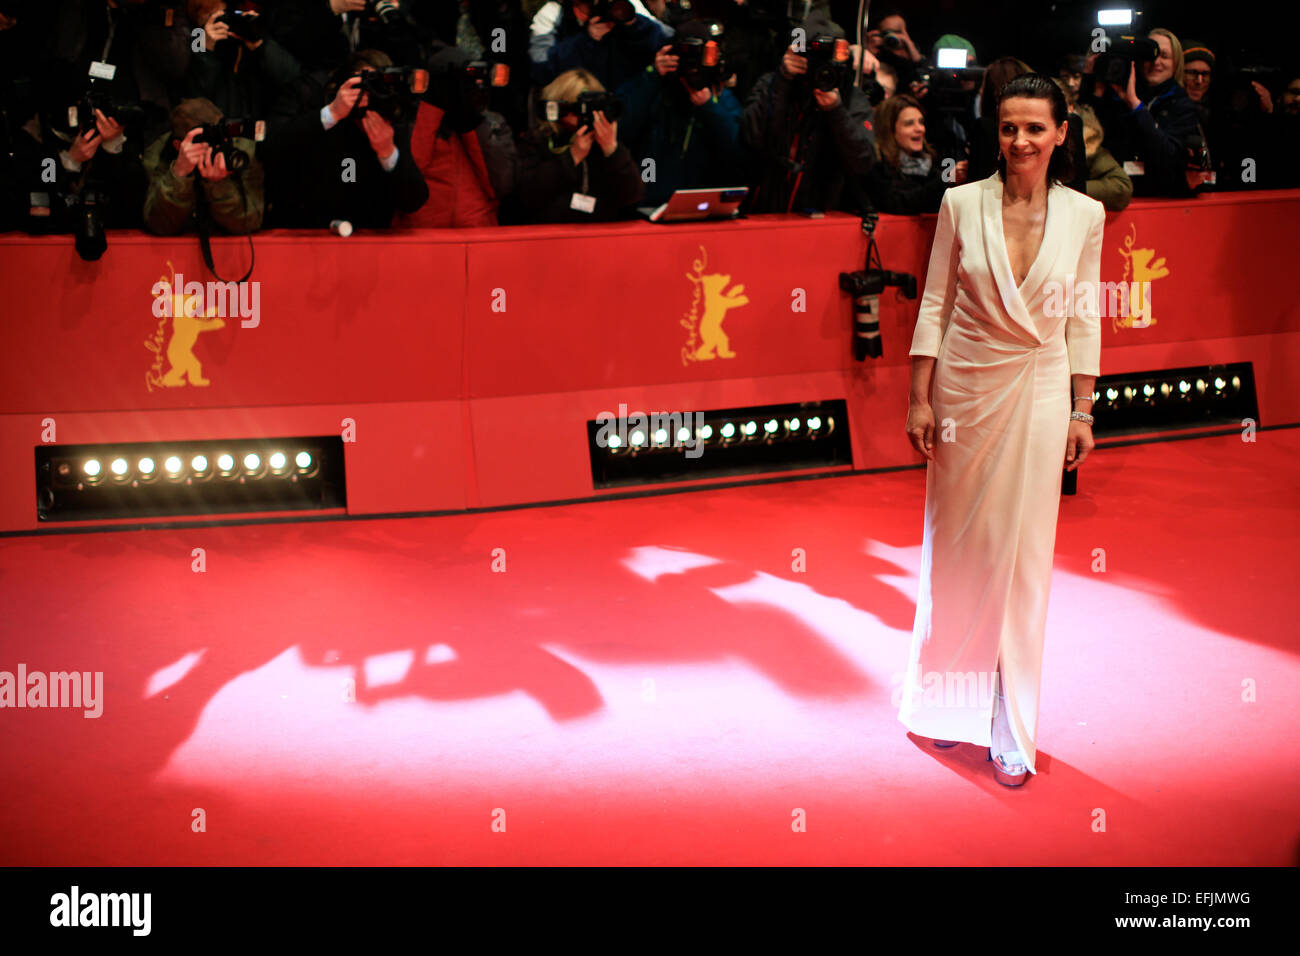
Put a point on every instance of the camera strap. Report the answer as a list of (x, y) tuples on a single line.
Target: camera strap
[(204, 227)]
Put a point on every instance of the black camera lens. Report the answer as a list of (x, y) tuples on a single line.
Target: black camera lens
[(88, 230)]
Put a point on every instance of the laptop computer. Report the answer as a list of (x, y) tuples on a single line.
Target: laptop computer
[(693, 205)]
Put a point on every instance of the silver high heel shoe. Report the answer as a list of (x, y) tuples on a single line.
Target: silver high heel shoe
[(1009, 773)]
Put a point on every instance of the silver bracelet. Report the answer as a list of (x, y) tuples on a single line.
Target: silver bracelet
[(1086, 398), (1081, 417)]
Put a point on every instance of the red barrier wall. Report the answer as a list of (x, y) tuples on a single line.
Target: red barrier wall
[(470, 360)]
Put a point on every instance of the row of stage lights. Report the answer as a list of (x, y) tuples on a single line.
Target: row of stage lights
[(145, 469), (1217, 387), (733, 433)]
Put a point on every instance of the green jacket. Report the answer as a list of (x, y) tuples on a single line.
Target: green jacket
[(1107, 181), (169, 203)]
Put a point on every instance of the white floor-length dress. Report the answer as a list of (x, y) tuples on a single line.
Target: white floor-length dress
[(1001, 400)]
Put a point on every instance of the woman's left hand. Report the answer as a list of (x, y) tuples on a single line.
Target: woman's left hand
[(1078, 444)]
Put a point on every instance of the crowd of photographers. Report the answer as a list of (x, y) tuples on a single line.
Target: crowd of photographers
[(234, 116)]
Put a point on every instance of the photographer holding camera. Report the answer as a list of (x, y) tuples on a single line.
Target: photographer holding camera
[(680, 115), (465, 151), (572, 168), (351, 159), (611, 39), (241, 69), (1151, 124), (890, 43), (809, 127), (191, 177)]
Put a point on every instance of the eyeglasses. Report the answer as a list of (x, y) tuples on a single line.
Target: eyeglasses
[(1197, 74)]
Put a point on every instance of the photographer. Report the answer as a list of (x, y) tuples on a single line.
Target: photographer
[(465, 152), (322, 34), (139, 52), (681, 116), (185, 174), (889, 42), (807, 141), (611, 39), (351, 160), (241, 74), (572, 169), (1151, 124)]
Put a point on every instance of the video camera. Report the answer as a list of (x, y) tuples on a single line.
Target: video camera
[(699, 61), (589, 103), (243, 25), (221, 137), (830, 62)]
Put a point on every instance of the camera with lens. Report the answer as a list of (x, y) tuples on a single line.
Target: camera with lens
[(874, 282), (86, 210), (616, 11), (1124, 54), (1238, 89), (385, 11), (221, 136), (829, 62), (243, 25), (589, 103), (699, 61), (892, 42), (865, 286), (82, 116), (390, 88)]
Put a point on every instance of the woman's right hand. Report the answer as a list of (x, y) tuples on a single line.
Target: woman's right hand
[(920, 429)]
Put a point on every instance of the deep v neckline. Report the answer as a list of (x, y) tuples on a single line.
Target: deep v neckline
[(1042, 242)]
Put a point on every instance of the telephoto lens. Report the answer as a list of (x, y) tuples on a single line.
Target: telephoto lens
[(88, 227)]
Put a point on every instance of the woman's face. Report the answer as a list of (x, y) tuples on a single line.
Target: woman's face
[(909, 130), (1162, 67), (1027, 134)]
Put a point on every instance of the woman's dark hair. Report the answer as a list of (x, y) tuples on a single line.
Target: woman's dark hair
[(996, 76), (1035, 86)]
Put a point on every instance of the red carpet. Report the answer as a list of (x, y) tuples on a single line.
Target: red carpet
[(649, 681)]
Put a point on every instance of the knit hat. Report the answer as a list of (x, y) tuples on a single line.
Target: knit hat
[(952, 40), (1197, 51)]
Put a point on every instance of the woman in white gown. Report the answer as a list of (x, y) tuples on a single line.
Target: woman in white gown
[(1007, 337)]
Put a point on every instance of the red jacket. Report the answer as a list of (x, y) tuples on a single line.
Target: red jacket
[(460, 192)]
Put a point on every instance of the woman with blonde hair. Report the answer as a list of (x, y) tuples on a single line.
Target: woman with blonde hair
[(572, 169), (1152, 127)]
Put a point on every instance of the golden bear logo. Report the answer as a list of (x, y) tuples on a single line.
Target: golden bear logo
[(705, 338), (186, 326), (1140, 269)]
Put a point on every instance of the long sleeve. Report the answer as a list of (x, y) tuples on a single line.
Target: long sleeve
[(940, 283), (1083, 328), (1107, 181)]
